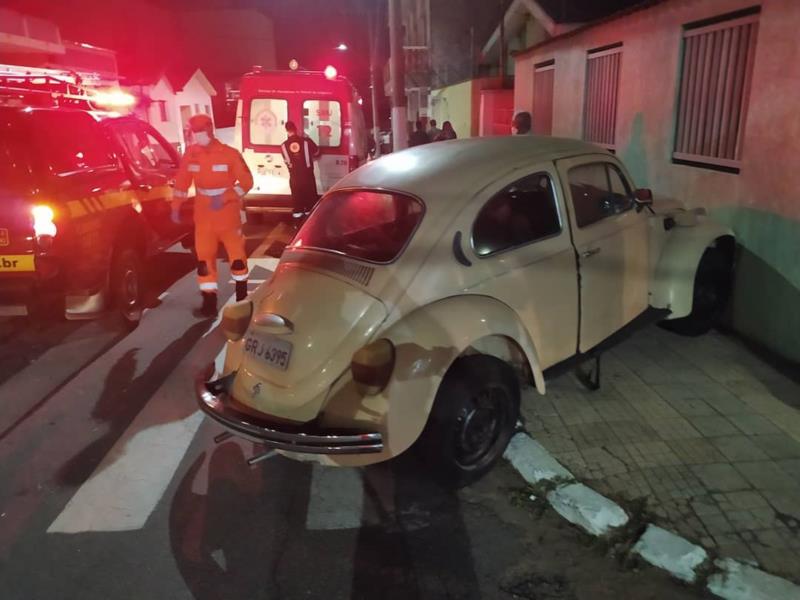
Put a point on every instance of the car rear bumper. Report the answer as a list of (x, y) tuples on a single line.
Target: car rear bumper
[(268, 203), (214, 400)]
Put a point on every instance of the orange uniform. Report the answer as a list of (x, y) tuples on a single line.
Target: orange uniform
[(221, 179)]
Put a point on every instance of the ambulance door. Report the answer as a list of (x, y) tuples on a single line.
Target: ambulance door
[(322, 122), (266, 130)]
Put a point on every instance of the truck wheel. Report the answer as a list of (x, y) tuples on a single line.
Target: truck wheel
[(473, 418), (712, 291), (127, 286)]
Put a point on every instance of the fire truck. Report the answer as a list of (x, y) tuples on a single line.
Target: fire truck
[(85, 198)]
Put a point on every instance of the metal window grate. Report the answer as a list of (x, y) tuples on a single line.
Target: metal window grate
[(715, 84), (543, 80), (602, 91)]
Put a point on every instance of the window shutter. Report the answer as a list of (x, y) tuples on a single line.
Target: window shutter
[(602, 91)]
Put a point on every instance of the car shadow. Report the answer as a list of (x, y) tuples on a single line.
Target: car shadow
[(247, 535)]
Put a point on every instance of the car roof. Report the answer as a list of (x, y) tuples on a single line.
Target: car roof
[(459, 168)]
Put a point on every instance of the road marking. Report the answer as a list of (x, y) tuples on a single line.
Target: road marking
[(336, 498), (125, 488)]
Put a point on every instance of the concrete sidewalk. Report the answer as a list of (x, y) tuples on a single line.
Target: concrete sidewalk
[(699, 431)]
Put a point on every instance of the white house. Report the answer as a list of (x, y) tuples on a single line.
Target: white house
[(171, 100)]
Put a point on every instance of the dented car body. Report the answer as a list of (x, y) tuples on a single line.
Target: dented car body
[(429, 286)]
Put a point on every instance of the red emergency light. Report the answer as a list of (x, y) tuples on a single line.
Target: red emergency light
[(331, 72)]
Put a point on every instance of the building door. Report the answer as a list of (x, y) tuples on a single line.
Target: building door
[(543, 79), (186, 114)]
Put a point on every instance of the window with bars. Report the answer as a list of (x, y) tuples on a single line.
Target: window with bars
[(543, 80), (602, 91), (715, 83)]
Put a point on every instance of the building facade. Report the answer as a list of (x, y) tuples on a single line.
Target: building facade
[(699, 98)]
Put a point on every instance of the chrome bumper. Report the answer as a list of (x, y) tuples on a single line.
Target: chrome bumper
[(213, 398)]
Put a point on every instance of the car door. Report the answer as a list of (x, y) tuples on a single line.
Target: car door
[(153, 164), (522, 254), (610, 237)]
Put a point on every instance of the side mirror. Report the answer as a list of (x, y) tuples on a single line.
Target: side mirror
[(643, 198)]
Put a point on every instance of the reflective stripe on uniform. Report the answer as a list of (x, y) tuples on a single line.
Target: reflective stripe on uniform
[(286, 156), (211, 191), (239, 277), (219, 168), (194, 168), (238, 190), (308, 156), (180, 194), (207, 286)]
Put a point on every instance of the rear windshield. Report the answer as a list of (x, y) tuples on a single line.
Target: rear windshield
[(368, 225)]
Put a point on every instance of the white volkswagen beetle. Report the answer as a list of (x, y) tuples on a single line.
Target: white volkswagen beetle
[(428, 286)]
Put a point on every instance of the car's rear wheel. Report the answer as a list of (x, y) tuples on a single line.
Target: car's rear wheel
[(473, 418), (713, 283), (127, 286)]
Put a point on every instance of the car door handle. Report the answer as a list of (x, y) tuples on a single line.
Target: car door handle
[(144, 187), (590, 252)]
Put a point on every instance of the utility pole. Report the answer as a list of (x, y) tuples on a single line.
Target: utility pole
[(502, 48), (396, 72), (374, 23)]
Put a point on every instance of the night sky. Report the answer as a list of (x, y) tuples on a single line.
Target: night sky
[(151, 37)]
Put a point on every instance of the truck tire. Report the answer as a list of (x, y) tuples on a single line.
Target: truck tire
[(712, 290), (127, 286), (473, 418)]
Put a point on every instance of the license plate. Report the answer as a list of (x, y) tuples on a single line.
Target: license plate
[(17, 263), (272, 351), (4, 239)]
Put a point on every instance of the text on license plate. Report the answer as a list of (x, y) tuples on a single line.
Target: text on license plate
[(274, 352), (16, 263)]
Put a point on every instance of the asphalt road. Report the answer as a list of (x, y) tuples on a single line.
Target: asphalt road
[(111, 487)]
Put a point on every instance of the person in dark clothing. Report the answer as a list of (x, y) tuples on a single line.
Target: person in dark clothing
[(448, 133), (521, 125), (419, 136), (299, 153)]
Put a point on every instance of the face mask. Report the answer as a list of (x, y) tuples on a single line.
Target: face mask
[(202, 138)]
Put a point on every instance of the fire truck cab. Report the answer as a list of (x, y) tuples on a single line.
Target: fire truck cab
[(324, 106)]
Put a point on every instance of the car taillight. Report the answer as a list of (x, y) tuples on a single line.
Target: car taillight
[(235, 319), (44, 227), (353, 163), (372, 366)]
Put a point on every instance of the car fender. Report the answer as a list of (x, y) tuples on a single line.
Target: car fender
[(673, 281), (427, 342)]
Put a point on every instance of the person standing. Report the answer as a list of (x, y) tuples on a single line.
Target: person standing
[(221, 179), (299, 153), (419, 137), (433, 130), (521, 124), (447, 133)]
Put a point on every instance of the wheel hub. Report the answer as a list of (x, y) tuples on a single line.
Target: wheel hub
[(479, 426)]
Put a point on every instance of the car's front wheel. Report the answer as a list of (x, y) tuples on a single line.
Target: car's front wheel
[(473, 418), (713, 283)]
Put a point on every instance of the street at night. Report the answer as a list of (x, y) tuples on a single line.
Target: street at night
[(404, 299)]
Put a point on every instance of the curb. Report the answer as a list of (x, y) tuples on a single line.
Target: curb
[(598, 515)]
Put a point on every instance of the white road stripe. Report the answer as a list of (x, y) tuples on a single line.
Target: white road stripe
[(124, 490), (336, 498)]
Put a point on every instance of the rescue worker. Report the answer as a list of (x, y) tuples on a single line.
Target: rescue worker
[(299, 153), (221, 179)]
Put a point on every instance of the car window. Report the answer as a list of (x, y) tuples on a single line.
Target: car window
[(598, 191), (322, 122), (69, 142), (267, 119), (522, 213), (146, 153), (369, 225)]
